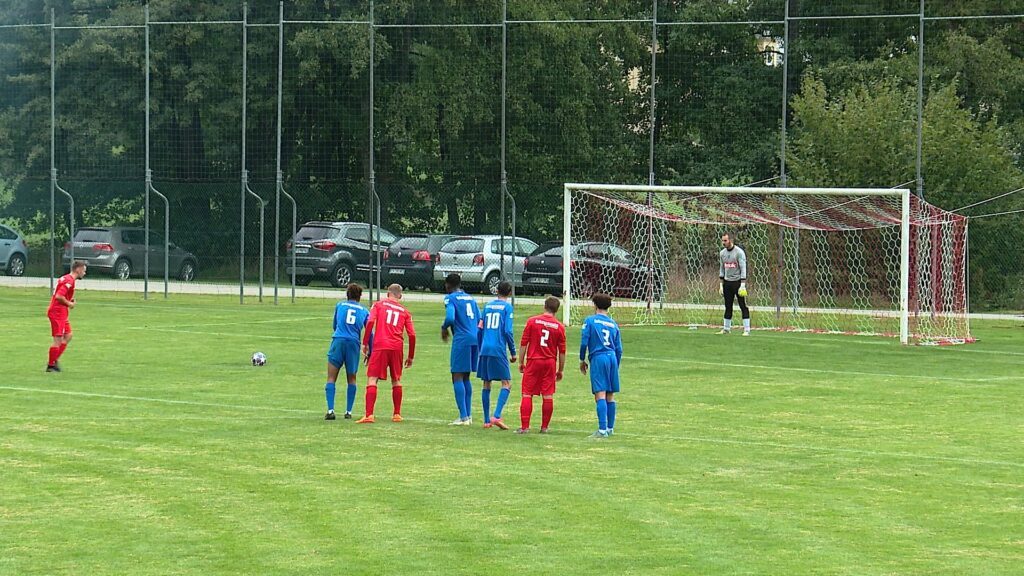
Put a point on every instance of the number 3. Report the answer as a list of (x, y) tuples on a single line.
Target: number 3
[(607, 337)]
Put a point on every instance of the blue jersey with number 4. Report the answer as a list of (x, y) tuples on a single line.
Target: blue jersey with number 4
[(349, 320), (462, 315), (600, 336), (497, 334)]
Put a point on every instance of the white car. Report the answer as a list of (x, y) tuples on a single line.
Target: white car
[(478, 260), (13, 252)]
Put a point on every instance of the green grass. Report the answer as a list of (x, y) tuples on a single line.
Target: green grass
[(159, 450)]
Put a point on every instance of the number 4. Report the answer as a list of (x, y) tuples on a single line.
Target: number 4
[(469, 310)]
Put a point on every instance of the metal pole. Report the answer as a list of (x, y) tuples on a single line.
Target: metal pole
[(374, 295), (515, 244), (654, 82), (280, 177), (504, 96), (783, 179), (263, 206), (149, 173), (53, 157), (245, 72), (167, 230), (920, 106), (566, 255), (71, 214), (905, 270), (295, 215)]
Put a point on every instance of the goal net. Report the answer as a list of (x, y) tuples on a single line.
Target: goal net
[(840, 261)]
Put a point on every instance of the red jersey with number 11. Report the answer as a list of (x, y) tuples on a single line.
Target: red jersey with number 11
[(387, 322), (545, 336)]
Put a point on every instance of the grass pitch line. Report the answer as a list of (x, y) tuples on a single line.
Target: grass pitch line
[(437, 421)]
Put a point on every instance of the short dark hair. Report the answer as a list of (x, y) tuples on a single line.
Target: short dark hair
[(78, 264), (730, 235), (453, 281), (602, 301), (354, 292), (504, 288), (552, 304)]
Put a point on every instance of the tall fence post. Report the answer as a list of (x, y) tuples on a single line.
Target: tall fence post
[(504, 104), (783, 178), (279, 180), (149, 173), (920, 105), (53, 147), (244, 175), (373, 198)]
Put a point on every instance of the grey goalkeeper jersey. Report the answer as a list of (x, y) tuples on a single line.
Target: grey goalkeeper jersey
[(733, 264)]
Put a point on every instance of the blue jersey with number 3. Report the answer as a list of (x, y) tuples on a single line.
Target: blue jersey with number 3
[(462, 315), (349, 320), (600, 336)]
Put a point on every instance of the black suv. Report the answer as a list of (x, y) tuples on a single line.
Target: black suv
[(335, 251)]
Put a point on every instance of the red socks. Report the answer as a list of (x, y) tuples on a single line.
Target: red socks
[(396, 397), (371, 399), (55, 353), (525, 411), (547, 408)]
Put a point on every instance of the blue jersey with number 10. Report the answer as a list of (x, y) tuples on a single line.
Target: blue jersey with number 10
[(497, 334), (601, 336), (462, 315), (349, 320)]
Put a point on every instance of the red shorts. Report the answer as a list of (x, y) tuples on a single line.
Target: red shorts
[(539, 377), (383, 360), (59, 324)]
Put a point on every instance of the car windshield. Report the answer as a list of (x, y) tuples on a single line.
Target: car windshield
[(464, 246), (92, 235), (314, 233), (550, 249), (410, 244)]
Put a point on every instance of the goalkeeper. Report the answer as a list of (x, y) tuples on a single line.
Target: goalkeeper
[(732, 272)]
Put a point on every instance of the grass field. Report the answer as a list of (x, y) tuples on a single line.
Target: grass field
[(159, 450)]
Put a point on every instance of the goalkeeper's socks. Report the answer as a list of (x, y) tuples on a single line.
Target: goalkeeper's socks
[(502, 398), (329, 391), (350, 397), (468, 385), (602, 414), (611, 414), (460, 397), (728, 324), (485, 397), (746, 324)]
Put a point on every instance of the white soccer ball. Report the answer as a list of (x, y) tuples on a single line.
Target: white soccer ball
[(259, 359)]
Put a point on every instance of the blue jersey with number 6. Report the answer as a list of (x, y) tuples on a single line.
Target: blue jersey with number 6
[(600, 337), (349, 320)]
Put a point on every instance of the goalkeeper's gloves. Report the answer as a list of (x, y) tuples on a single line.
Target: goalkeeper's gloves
[(721, 290), (743, 289)]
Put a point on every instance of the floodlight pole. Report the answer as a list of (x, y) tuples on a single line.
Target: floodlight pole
[(53, 137)]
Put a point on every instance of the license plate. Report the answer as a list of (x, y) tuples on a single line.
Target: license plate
[(542, 280), (301, 250), (397, 272)]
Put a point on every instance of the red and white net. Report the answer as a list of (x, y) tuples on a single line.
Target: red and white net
[(815, 262)]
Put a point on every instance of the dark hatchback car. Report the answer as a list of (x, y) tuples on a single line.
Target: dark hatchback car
[(338, 252), (121, 252), (595, 267), (410, 261)]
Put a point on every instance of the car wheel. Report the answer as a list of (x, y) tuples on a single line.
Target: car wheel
[(122, 269), (187, 272), (491, 283), (303, 280), (16, 265), (341, 276)]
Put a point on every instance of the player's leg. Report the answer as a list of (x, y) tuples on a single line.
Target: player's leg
[(397, 358), (352, 356), (485, 401), (376, 369), (746, 314), (58, 341), (65, 340), (729, 294), (601, 401), (526, 404), (499, 408), (329, 388), (548, 396), (609, 397), (460, 398), (471, 355), (371, 400)]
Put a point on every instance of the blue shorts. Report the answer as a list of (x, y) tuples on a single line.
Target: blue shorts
[(464, 358), (604, 374), (494, 368), (345, 354)]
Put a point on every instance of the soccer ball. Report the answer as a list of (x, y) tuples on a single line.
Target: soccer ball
[(259, 359)]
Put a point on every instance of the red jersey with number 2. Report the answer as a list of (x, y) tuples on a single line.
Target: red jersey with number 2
[(387, 323), (65, 288), (545, 336)]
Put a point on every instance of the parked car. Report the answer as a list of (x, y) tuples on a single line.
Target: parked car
[(410, 261), (595, 266), (121, 252), (335, 251), (478, 260), (13, 252)]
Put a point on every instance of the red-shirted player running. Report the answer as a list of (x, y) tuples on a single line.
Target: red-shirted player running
[(388, 319), (61, 303), (542, 346)]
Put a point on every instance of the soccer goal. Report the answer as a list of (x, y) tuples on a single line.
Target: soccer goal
[(839, 261)]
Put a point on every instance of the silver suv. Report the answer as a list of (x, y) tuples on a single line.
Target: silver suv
[(478, 260), (121, 252)]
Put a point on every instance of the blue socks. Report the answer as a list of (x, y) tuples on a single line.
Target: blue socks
[(502, 398), (485, 396), (329, 391), (602, 414), (350, 397), (469, 398), (611, 415), (460, 397)]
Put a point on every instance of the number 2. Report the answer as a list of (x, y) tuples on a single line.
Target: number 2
[(544, 335)]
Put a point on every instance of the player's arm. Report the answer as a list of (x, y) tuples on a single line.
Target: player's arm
[(510, 337), (61, 296), (449, 318), (584, 343), (411, 331), (561, 355), (480, 334), (741, 258), (334, 321), (618, 347), (371, 321), (524, 346)]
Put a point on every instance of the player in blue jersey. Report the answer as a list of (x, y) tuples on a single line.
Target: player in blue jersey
[(603, 341), (462, 316), (495, 339), (349, 319)]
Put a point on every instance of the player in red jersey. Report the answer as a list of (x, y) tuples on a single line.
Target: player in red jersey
[(542, 346), (61, 303), (388, 320)]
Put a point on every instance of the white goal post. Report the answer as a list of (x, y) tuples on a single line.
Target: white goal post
[(830, 260)]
